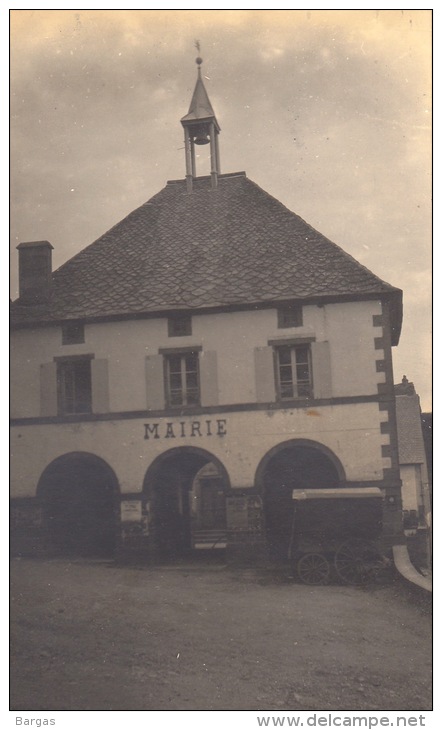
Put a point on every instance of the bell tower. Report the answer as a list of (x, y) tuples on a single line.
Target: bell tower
[(200, 128)]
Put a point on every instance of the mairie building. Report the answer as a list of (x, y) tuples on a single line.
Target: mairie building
[(176, 380)]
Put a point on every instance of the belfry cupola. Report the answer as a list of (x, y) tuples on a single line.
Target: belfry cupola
[(200, 128)]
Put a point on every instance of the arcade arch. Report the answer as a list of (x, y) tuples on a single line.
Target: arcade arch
[(184, 495), (294, 464), (78, 493)]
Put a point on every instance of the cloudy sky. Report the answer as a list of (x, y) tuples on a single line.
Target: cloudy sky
[(328, 111)]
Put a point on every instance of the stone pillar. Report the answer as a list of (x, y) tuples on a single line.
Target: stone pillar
[(134, 539)]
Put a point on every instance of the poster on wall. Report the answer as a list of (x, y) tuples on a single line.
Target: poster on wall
[(130, 510)]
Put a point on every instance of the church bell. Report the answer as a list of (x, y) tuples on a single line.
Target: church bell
[(202, 134)]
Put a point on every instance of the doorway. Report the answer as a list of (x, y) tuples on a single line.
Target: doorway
[(184, 493)]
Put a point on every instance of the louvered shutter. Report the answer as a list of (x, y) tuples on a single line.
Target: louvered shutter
[(48, 389), (155, 383), (264, 375), (100, 386), (208, 378), (322, 383)]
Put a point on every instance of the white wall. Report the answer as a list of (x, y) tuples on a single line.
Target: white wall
[(352, 432), (29, 349), (347, 326), (349, 329)]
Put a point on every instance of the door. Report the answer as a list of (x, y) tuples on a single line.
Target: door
[(213, 504)]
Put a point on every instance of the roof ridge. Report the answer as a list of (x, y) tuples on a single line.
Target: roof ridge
[(221, 176)]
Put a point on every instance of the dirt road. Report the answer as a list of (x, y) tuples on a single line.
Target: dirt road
[(91, 636)]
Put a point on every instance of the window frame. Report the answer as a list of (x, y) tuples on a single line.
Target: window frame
[(177, 321), (64, 365), (67, 336), (183, 372), (287, 311), (295, 384)]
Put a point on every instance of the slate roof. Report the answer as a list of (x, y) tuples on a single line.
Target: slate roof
[(232, 246), (409, 425)]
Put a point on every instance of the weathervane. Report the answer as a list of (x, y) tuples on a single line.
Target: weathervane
[(198, 60)]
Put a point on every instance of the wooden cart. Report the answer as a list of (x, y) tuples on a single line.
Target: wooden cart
[(335, 533)]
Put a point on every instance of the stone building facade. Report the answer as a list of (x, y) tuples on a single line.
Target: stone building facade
[(173, 382)]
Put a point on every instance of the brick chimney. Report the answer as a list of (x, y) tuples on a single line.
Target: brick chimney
[(34, 271)]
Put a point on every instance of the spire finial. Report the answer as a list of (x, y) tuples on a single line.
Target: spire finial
[(198, 60)]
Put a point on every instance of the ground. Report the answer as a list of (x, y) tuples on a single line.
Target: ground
[(90, 635)]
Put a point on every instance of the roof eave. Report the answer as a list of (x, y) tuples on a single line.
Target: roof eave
[(396, 314), (393, 298), (192, 118)]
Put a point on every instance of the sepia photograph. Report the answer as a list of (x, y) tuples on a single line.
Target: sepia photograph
[(220, 365)]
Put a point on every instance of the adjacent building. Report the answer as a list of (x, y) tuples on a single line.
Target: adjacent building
[(416, 499), (176, 380)]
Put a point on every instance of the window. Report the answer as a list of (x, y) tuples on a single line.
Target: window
[(293, 365), (290, 316), (72, 333), (74, 385), (180, 325), (182, 379)]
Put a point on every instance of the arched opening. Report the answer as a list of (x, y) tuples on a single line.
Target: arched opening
[(297, 464), (184, 496), (78, 494)]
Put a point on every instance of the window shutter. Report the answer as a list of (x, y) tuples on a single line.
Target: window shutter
[(100, 386), (208, 378), (264, 375), (322, 385), (155, 383), (48, 389)]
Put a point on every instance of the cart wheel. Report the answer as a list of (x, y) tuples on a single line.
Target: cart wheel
[(313, 569), (357, 561)]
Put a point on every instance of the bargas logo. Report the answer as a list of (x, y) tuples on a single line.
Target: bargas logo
[(35, 721)]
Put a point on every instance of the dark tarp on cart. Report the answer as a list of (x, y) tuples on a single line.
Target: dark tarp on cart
[(337, 514), (336, 527)]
